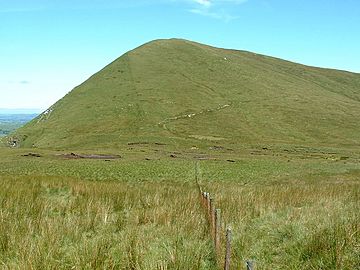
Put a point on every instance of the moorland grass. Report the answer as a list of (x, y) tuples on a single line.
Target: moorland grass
[(61, 223), (291, 211), (293, 225)]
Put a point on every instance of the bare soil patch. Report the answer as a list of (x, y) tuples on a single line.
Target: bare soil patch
[(91, 156)]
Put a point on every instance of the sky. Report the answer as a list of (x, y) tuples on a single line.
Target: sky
[(47, 47)]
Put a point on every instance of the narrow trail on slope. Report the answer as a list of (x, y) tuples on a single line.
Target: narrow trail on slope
[(190, 115)]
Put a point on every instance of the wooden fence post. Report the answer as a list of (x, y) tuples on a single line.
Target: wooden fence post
[(202, 198), (205, 200), (212, 217), (228, 249), (217, 230), (208, 204)]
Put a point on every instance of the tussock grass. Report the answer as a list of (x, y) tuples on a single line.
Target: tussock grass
[(59, 223), (293, 226), (140, 214)]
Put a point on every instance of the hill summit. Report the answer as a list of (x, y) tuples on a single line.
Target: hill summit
[(180, 91)]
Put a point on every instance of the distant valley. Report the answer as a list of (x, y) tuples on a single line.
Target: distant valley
[(10, 122)]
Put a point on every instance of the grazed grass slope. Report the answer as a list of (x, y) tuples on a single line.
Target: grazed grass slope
[(181, 92)]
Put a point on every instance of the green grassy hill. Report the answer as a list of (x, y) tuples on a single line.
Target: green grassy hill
[(181, 92), (277, 147)]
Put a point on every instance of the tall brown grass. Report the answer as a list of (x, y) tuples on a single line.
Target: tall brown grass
[(59, 223), (292, 226)]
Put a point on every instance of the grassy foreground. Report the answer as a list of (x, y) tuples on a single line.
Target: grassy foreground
[(296, 226), (59, 223), (286, 212)]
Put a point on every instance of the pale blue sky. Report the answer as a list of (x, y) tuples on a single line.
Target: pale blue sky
[(49, 47)]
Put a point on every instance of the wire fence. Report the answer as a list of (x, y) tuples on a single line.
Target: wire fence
[(222, 237)]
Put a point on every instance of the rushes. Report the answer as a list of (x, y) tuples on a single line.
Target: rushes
[(59, 223), (54, 221), (293, 226)]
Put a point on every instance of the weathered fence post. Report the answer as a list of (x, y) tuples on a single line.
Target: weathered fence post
[(249, 265), (203, 198), (217, 230), (206, 199), (228, 249), (208, 204), (212, 217)]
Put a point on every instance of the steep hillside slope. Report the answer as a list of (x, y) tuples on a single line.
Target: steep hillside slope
[(179, 91)]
